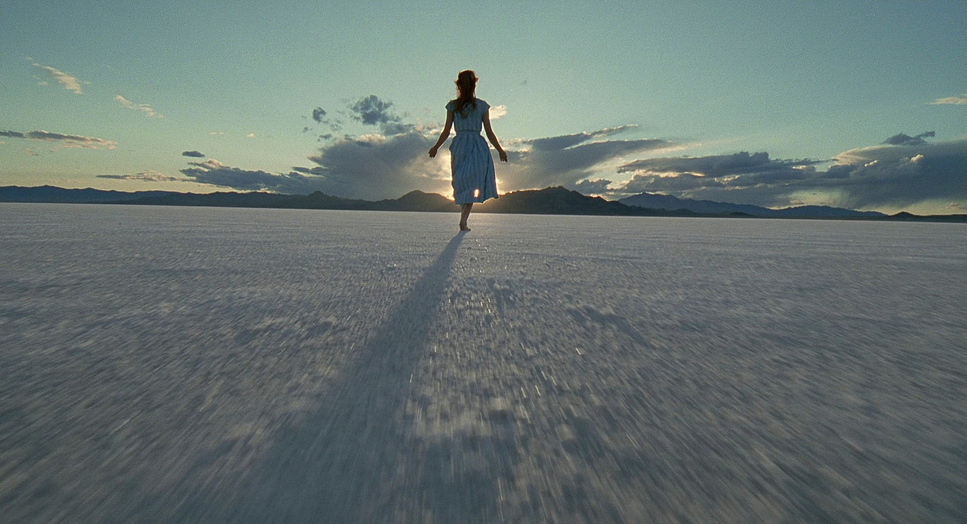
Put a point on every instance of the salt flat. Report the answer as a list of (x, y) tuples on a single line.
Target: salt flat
[(232, 365)]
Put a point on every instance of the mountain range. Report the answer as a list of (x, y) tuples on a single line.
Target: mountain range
[(708, 207), (551, 200)]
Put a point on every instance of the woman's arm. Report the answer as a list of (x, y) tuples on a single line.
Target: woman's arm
[(444, 135), (493, 137)]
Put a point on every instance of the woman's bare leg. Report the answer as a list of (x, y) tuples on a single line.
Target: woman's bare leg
[(464, 215)]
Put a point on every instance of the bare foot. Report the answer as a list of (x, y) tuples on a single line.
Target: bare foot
[(463, 227)]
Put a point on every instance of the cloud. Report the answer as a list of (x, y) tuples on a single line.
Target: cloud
[(321, 116), (375, 167), (66, 80), (900, 176), (394, 161), (372, 111), (566, 160), (901, 172), (146, 176), (907, 140), (593, 187), (144, 108), (742, 169), (193, 154), (497, 112), (74, 141), (370, 167), (215, 173), (951, 100)]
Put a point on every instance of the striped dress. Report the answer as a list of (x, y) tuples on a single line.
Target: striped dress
[(471, 165)]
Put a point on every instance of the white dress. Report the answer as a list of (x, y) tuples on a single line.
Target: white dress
[(471, 164)]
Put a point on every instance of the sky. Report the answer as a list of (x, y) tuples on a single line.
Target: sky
[(858, 104)]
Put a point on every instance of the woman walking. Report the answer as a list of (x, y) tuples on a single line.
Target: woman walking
[(471, 165)]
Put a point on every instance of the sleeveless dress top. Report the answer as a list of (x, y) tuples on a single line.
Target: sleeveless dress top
[(471, 165)]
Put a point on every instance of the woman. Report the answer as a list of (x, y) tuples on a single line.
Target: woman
[(471, 165)]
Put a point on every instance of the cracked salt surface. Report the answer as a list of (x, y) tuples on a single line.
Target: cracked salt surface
[(227, 365)]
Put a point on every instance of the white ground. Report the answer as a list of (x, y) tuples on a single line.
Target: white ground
[(223, 365)]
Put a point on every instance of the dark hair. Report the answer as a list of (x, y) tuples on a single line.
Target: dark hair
[(466, 83)]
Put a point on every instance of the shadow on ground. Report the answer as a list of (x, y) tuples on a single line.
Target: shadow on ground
[(351, 460)]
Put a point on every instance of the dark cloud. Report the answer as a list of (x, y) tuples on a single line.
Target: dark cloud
[(907, 140), (902, 172), (146, 176), (216, 173), (899, 176), (372, 111), (720, 165), (331, 125), (680, 184), (86, 142), (193, 154)]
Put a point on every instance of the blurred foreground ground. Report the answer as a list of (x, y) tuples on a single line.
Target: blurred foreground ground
[(223, 365)]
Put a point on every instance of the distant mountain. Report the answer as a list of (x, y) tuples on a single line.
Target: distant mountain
[(412, 201), (221, 199), (559, 201), (670, 203), (551, 200), (825, 212), (58, 195)]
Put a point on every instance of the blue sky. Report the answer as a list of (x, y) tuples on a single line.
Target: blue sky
[(857, 104)]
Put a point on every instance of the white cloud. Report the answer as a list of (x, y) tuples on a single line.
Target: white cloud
[(66, 80), (951, 100), (497, 112), (566, 160), (374, 167), (144, 108)]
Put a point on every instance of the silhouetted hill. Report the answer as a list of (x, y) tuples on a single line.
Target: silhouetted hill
[(903, 216), (650, 200), (59, 195), (551, 200), (418, 201), (320, 200), (221, 199), (670, 203), (825, 212), (558, 201), (412, 201)]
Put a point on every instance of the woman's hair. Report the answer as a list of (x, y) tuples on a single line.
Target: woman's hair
[(466, 83)]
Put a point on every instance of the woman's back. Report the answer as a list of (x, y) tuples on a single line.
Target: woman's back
[(468, 118)]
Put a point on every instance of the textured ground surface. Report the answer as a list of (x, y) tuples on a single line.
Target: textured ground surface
[(221, 365)]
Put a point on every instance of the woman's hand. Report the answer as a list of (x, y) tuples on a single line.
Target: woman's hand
[(503, 155), (433, 151)]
